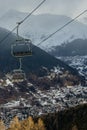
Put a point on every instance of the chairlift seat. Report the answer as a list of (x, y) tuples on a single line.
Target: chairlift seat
[(22, 54)]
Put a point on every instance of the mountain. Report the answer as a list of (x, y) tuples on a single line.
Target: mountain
[(84, 19), (38, 27), (74, 48), (34, 63)]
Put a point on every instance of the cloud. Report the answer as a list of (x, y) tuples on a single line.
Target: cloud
[(66, 7)]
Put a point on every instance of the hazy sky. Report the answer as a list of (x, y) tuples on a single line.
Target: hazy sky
[(66, 7)]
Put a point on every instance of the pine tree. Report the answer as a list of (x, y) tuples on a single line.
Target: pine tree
[(31, 123), (41, 125), (28, 124), (15, 124), (2, 126)]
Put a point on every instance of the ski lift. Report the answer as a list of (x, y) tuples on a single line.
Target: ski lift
[(21, 48)]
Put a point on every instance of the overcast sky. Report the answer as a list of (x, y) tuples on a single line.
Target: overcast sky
[(66, 7)]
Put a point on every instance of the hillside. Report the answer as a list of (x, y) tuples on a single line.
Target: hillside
[(71, 119), (37, 98), (74, 48), (40, 58)]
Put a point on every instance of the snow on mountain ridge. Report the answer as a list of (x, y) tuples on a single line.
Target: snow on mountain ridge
[(38, 27)]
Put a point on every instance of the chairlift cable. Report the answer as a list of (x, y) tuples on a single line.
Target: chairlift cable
[(32, 12), (59, 29), (21, 22)]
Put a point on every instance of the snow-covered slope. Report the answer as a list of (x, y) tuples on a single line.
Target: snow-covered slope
[(38, 27), (84, 19)]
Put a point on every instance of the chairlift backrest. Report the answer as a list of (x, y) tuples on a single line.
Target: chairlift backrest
[(21, 48), (18, 75)]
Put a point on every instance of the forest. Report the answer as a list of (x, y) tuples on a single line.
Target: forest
[(74, 118)]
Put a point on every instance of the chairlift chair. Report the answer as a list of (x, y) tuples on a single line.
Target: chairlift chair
[(18, 75), (21, 48)]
